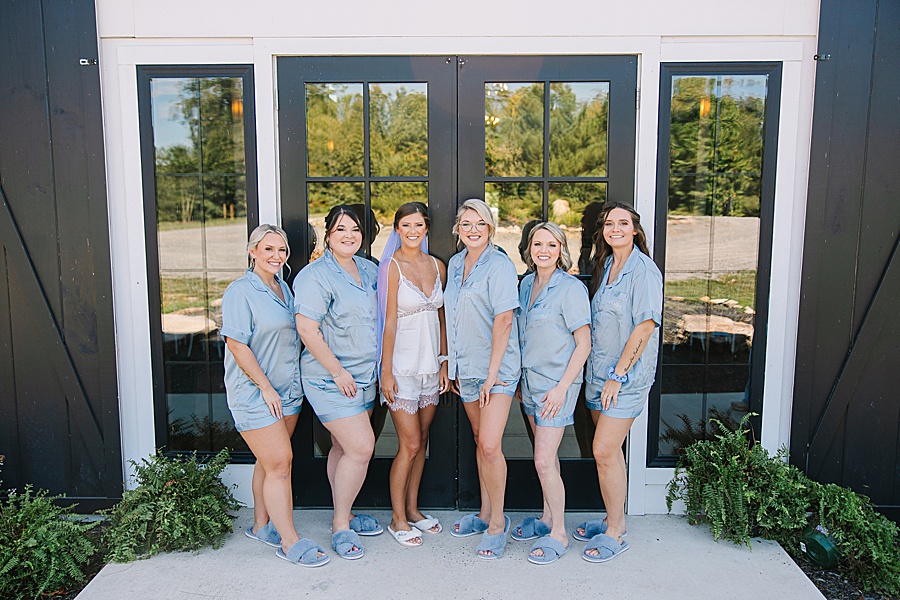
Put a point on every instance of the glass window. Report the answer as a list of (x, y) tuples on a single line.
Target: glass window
[(200, 193), (714, 198)]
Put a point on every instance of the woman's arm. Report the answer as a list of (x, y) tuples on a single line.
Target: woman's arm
[(246, 360), (315, 342), (634, 347), (388, 384), (556, 397), (499, 341), (444, 377)]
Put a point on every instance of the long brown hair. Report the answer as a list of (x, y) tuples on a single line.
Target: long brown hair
[(602, 250)]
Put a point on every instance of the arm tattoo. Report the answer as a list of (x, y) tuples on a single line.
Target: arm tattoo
[(634, 354)]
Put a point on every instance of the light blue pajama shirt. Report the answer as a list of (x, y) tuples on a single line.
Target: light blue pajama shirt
[(470, 309), (254, 315), (616, 309)]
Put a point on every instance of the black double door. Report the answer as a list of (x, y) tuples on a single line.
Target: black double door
[(546, 138)]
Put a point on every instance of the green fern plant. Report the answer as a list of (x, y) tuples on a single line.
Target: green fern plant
[(731, 483), (43, 548), (179, 504)]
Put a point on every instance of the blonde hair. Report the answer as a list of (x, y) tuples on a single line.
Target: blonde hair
[(564, 261), (483, 210), (259, 233)]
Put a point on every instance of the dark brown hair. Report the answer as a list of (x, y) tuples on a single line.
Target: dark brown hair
[(602, 250), (412, 208), (334, 215)]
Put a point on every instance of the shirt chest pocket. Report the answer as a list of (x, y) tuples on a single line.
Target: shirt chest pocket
[(614, 303), (539, 315), (475, 289)]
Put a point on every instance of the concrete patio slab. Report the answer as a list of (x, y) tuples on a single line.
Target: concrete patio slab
[(668, 559)]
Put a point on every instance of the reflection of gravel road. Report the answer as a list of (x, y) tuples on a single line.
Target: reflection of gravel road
[(734, 245)]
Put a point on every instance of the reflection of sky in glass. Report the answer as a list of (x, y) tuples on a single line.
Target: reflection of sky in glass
[(169, 129), (735, 86), (586, 92)]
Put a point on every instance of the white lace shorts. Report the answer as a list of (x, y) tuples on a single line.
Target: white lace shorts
[(414, 392)]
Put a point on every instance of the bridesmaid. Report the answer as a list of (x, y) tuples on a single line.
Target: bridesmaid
[(483, 349), (555, 336), (262, 385), (626, 312), (335, 310)]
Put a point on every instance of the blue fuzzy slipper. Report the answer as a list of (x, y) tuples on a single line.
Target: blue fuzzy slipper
[(343, 542), (266, 534), (607, 547), (529, 529), (591, 528), (495, 544), (468, 525), (304, 553), (366, 525), (552, 549)]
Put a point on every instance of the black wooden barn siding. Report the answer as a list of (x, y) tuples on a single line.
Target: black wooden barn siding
[(846, 413), (59, 421)]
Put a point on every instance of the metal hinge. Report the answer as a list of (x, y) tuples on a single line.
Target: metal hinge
[(822, 57), (87, 62), (637, 99)]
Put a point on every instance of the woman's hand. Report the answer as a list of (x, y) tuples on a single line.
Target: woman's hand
[(345, 383), (388, 385), (518, 394), (484, 394), (444, 378), (272, 400), (610, 393), (553, 402)]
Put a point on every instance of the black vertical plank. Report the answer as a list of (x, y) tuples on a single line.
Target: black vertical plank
[(25, 165), (26, 176), (42, 412), (880, 220), (85, 269), (9, 433), (832, 215)]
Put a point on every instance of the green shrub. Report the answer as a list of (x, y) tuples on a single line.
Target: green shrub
[(179, 504), (868, 541), (43, 549), (732, 484)]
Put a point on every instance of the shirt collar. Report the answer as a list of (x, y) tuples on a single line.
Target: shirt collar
[(333, 264), (630, 263), (555, 278), (258, 285), (481, 259)]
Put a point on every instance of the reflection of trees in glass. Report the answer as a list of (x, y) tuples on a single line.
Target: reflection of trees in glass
[(514, 135), (716, 146), (514, 129), (334, 131), (578, 131), (212, 109), (398, 130), (398, 143)]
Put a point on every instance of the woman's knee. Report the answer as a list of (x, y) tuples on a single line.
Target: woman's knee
[(490, 447), (605, 454), (410, 446), (361, 447), (544, 463), (279, 465)]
